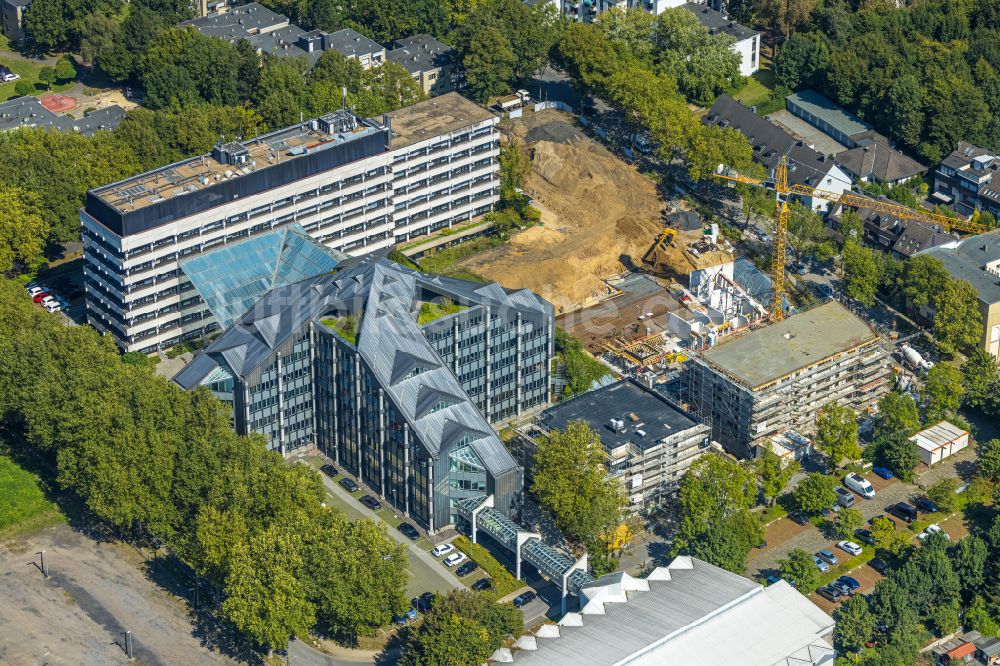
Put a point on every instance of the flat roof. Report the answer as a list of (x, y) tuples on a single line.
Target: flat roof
[(819, 106), (799, 341), (656, 416), (717, 22), (433, 117), (196, 173), (938, 436)]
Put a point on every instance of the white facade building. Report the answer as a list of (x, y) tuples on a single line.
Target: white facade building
[(936, 443), (356, 185)]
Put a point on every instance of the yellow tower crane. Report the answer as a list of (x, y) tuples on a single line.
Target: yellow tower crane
[(783, 191)]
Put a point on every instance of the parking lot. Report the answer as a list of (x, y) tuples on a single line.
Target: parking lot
[(66, 286)]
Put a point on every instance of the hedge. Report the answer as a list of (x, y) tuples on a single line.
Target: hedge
[(504, 582)]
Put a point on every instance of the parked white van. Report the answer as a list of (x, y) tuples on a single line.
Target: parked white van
[(860, 485)]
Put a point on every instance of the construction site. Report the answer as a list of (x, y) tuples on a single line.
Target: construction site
[(637, 279), (757, 385)]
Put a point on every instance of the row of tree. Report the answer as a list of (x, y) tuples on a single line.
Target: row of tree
[(928, 76), (153, 460), (653, 101)]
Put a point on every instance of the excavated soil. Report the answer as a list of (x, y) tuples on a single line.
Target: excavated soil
[(596, 211)]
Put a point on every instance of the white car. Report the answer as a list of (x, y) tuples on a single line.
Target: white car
[(48, 300), (443, 549), (8, 76), (849, 547), (860, 485), (34, 290), (53, 306), (933, 529), (456, 558)]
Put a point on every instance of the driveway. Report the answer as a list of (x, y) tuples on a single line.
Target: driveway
[(426, 573)]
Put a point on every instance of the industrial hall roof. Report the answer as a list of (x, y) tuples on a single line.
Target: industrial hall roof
[(799, 341), (689, 612), (387, 298)]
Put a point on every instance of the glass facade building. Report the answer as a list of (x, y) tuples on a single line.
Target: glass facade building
[(396, 375)]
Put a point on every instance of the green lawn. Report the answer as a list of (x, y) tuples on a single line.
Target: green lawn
[(28, 69), (23, 505), (757, 89), (445, 261)]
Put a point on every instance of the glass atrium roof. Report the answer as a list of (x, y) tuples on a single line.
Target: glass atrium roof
[(234, 277)]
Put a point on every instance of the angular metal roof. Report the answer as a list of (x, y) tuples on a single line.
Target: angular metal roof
[(386, 296)]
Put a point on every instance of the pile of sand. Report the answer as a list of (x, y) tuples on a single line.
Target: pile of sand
[(597, 211)]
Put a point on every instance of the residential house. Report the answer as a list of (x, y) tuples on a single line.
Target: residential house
[(433, 64), (27, 111), (901, 238), (967, 180), (873, 159), (746, 42), (770, 143)]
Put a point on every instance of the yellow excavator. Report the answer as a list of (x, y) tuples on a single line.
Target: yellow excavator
[(665, 238)]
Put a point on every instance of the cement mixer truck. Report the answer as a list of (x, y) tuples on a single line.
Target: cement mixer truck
[(914, 359)]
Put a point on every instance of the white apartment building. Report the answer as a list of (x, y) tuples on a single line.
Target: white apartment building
[(355, 185)]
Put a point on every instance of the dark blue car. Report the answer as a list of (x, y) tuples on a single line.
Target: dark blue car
[(849, 582), (884, 472), (771, 580), (524, 599)]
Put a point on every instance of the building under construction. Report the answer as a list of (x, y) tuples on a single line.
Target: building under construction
[(756, 386)]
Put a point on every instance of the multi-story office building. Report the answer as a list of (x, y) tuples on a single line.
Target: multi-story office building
[(395, 374), (355, 185), (754, 387)]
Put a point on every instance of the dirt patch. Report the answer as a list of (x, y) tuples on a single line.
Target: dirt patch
[(598, 213), (96, 592)]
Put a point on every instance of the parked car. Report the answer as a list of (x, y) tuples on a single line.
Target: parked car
[(409, 531), (442, 549), (879, 565), (851, 583), (845, 497), (903, 510), (771, 580), (411, 614), (883, 472), (53, 306), (840, 586), (370, 502), (523, 599), (482, 584), (926, 505), (408, 616), (455, 559), (425, 602), (7, 76), (799, 517), (329, 470), (871, 521), (932, 529), (823, 566), (830, 593), (466, 569), (39, 296), (849, 547), (349, 485), (827, 555), (860, 485), (865, 536)]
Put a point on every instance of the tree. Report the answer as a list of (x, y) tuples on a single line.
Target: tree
[(264, 596), (785, 16), (958, 325), (23, 88), (837, 434), (23, 230), (978, 618), (571, 483), (514, 167), (855, 624), (463, 629), (923, 277), (851, 226), (981, 382), (799, 59), (714, 519), (64, 70), (943, 494), (886, 536), (849, 520), (968, 559), (702, 63), (773, 474), (861, 272), (489, 64), (755, 201), (988, 456), (897, 413), (815, 493), (897, 452), (942, 391), (799, 568), (47, 76)]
